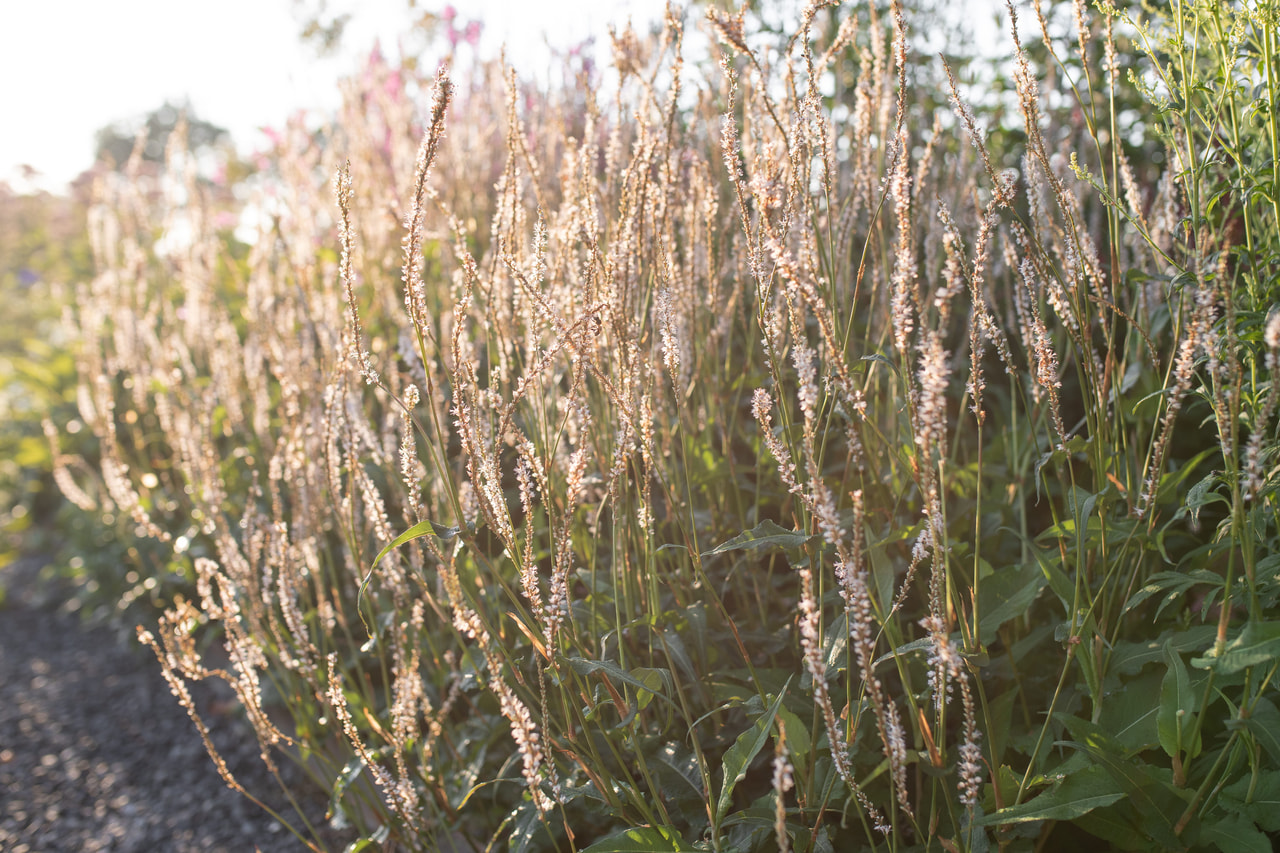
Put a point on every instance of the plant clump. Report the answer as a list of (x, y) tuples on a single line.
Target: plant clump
[(791, 451)]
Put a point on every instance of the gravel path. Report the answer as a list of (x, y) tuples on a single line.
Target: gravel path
[(97, 755)]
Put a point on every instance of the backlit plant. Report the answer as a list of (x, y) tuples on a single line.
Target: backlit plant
[(799, 459)]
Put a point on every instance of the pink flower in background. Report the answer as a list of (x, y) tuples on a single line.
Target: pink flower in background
[(378, 73), (376, 61), (470, 33), (394, 85), (374, 67), (275, 139), (582, 52)]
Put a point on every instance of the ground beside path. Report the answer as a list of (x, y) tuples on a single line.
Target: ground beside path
[(97, 755)]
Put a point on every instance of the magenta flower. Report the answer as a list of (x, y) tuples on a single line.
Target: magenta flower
[(394, 85)]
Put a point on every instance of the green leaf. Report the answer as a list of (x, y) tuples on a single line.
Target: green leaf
[(676, 652), (1080, 793), (1174, 585), (419, 530), (1258, 643), (836, 643), (920, 645), (373, 841), (975, 840), (799, 741), (1075, 444), (1235, 834), (884, 571), (644, 840), (882, 360), (744, 750), (1175, 719), (684, 764), (764, 535), (348, 775), (1258, 800), (1130, 657), (585, 667), (1264, 725), (527, 827), (656, 679), (1118, 823), (1130, 714), (1132, 374), (1200, 495), (1268, 567), (1149, 790), (1007, 594), (1049, 560), (750, 830)]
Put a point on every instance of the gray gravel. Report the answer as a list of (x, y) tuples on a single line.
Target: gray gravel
[(97, 755)]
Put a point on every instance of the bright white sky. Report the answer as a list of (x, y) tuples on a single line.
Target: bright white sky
[(70, 67)]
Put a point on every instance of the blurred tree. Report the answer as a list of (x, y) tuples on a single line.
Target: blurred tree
[(115, 141), (324, 28), (321, 28)]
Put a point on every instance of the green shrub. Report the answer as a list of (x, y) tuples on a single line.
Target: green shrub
[(43, 249)]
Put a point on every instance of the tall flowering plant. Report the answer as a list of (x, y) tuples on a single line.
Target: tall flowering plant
[(546, 459)]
